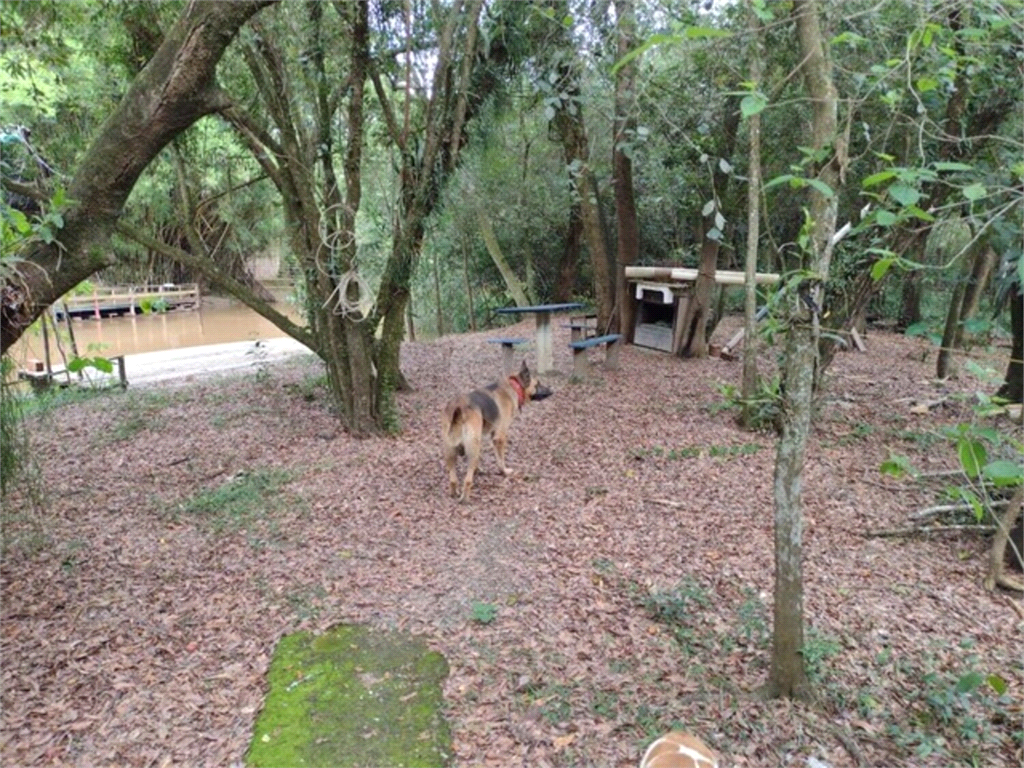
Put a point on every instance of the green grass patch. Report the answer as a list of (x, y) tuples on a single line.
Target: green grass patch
[(248, 501)]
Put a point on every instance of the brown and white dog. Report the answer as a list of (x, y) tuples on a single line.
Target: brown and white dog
[(486, 411), (679, 750)]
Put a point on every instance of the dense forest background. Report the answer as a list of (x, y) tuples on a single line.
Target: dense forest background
[(930, 128)]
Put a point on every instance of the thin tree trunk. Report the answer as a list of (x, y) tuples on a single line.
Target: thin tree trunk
[(944, 360), (423, 174), (788, 675), (910, 242), (749, 386), (984, 262), (515, 287), (570, 125), (910, 303), (410, 319), (698, 310), (627, 229), (437, 299), (469, 287), (695, 321)]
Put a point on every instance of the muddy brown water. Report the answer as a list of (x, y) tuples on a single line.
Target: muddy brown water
[(217, 321)]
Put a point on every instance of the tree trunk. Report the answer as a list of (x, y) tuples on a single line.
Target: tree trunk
[(437, 299), (749, 386), (423, 174), (698, 309), (569, 123), (320, 220), (985, 259), (944, 360), (627, 230), (912, 241), (788, 675), (910, 303), (173, 90), (515, 287), (568, 264), (1013, 382)]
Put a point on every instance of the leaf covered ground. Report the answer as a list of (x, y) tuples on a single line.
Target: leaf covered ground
[(619, 583)]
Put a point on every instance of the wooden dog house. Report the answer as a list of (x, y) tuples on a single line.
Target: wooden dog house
[(662, 295)]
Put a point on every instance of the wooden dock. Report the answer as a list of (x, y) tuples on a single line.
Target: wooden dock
[(117, 300), (42, 379)]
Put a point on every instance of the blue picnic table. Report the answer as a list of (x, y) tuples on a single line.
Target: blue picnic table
[(542, 314)]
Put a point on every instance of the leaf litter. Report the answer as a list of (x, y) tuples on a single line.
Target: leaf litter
[(617, 584)]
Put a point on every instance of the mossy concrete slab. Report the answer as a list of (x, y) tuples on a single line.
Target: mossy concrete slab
[(353, 696)]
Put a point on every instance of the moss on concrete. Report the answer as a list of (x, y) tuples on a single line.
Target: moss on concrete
[(353, 697)]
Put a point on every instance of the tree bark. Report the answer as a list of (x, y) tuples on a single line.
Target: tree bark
[(944, 360), (698, 309), (910, 301), (175, 88), (627, 229), (469, 285), (749, 386), (788, 675)]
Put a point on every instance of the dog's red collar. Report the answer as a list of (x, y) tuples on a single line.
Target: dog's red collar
[(518, 387)]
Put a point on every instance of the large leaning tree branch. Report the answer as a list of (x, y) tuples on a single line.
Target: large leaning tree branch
[(176, 88), (215, 275)]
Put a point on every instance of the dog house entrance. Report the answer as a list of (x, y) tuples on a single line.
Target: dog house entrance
[(660, 308)]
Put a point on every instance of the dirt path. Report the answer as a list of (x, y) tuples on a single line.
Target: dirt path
[(619, 582)]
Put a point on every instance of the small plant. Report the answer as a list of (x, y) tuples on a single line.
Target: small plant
[(752, 619), (555, 702), (761, 411), (483, 613), (605, 704), (817, 650), (676, 609)]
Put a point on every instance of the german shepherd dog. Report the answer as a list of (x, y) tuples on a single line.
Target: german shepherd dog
[(486, 411)]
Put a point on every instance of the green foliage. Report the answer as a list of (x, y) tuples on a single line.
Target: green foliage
[(101, 364), (948, 711), (483, 613), (817, 650), (989, 459)]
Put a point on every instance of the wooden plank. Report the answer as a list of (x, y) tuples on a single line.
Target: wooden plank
[(688, 275)]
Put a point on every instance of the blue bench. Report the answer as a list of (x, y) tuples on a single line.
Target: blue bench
[(580, 363), (508, 346)]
